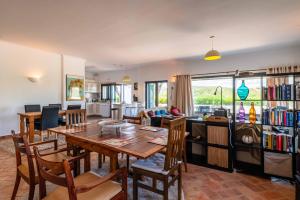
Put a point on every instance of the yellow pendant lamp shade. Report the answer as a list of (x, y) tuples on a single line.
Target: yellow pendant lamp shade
[(126, 79), (212, 54)]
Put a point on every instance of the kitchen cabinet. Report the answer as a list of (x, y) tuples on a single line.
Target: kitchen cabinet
[(91, 86), (98, 108)]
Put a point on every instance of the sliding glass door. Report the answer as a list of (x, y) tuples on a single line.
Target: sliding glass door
[(156, 94)]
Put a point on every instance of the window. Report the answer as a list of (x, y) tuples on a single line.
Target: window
[(117, 93), (156, 94), (205, 100)]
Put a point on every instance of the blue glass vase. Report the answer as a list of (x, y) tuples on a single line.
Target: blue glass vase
[(243, 91)]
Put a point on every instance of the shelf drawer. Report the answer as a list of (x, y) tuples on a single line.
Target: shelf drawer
[(217, 135), (278, 164), (217, 157)]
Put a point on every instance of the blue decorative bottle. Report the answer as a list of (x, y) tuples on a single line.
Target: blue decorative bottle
[(243, 91)]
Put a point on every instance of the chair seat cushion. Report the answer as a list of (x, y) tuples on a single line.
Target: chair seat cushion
[(154, 164), (104, 191)]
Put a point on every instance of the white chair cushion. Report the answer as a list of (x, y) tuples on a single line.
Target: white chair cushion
[(104, 191), (154, 164)]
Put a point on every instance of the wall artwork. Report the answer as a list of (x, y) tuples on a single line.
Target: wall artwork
[(75, 88), (135, 86)]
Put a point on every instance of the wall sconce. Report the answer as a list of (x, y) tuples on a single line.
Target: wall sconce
[(33, 79)]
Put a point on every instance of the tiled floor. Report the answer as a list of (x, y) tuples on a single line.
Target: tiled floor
[(198, 183)]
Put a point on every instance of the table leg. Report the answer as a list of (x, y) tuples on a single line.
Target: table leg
[(87, 161), (22, 125), (76, 170), (31, 129), (113, 162)]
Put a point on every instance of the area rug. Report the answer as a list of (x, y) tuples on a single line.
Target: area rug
[(7, 146)]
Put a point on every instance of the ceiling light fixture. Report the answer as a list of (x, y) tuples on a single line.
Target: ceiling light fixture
[(212, 54)]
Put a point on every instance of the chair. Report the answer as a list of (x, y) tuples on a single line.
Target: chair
[(165, 123), (74, 117), (85, 186), (56, 105), (27, 169), (49, 119), (162, 167), (133, 120), (61, 120), (33, 108), (74, 107)]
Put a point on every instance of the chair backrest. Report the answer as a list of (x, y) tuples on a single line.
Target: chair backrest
[(133, 120), (56, 105), (22, 147), (51, 171), (49, 117), (32, 108), (75, 116), (175, 142), (165, 122), (74, 107)]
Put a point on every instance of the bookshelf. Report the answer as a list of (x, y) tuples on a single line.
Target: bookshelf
[(272, 152), (248, 156)]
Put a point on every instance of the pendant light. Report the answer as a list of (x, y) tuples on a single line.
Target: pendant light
[(126, 79), (212, 54)]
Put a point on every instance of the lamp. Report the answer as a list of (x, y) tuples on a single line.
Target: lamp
[(33, 79), (126, 79), (212, 54), (215, 93)]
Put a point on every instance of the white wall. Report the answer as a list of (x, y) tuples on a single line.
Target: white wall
[(16, 64), (164, 70)]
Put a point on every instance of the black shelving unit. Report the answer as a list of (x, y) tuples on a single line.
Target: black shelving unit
[(265, 166), (248, 157)]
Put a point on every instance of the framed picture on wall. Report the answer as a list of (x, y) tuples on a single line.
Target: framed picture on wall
[(135, 86), (74, 88)]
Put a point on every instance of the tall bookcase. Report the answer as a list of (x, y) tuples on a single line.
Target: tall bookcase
[(275, 133)]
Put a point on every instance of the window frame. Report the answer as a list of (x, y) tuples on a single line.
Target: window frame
[(156, 92), (220, 76)]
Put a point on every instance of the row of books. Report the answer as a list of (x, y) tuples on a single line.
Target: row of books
[(278, 116), (278, 92), (279, 142)]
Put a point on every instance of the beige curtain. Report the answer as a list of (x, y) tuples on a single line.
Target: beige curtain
[(184, 97)]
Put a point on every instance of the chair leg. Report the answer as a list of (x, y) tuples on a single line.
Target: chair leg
[(179, 183), (184, 157), (99, 160), (31, 191), (166, 188), (135, 186), (17, 183), (127, 162)]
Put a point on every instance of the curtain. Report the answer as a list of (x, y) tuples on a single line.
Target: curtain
[(184, 97)]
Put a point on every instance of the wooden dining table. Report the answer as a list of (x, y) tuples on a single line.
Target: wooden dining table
[(31, 116), (132, 140)]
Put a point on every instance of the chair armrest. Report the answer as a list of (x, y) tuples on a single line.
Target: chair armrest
[(54, 152), (45, 142), (122, 173)]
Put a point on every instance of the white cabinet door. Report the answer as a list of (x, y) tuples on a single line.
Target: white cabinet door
[(90, 109), (98, 109)]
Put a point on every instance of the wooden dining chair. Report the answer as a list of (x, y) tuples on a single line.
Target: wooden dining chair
[(165, 123), (75, 116), (132, 120), (85, 186), (27, 169), (166, 168)]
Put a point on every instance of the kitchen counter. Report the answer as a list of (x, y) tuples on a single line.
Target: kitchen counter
[(98, 108)]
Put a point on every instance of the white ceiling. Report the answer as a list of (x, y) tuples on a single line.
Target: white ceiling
[(127, 32)]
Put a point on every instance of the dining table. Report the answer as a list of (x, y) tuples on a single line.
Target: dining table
[(30, 117), (135, 140)]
